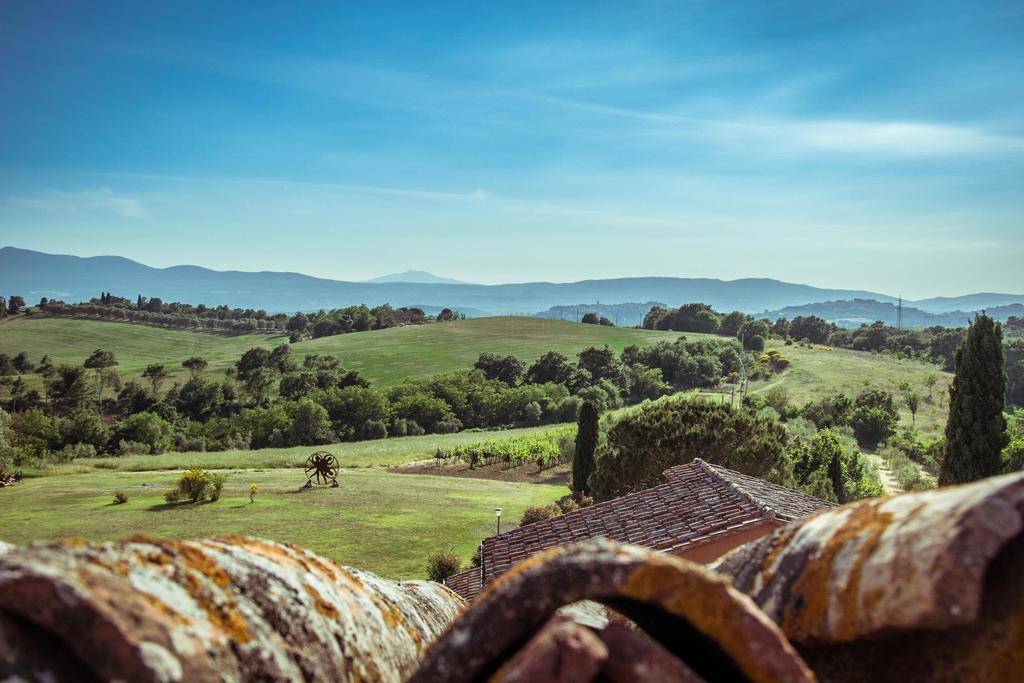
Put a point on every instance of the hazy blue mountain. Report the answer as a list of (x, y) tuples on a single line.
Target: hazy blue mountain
[(968, 302), (34, 274), (856, 312), (421, 277), (623, 315)]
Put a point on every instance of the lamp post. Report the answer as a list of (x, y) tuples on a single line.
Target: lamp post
[(497, 513)]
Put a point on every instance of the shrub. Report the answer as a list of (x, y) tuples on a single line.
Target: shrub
[(655, 436), (373, 429), (778, 398), (217, 485), (754, 343), (195, 485), (132, 448), (872, 426), (440, 566), (536, 513), (120, 498), (78, 450), (449, 426)]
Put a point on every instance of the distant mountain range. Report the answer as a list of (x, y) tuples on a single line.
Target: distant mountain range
[(420, 277), (856, 312), (34, 274), (623, 315)]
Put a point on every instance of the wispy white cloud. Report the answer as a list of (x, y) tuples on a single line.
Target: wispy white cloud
[(886, 139), (99, 199)]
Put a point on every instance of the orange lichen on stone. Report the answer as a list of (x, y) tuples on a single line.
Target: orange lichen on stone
[(196, 559), (809, 605), (322, 606), (224, 616)]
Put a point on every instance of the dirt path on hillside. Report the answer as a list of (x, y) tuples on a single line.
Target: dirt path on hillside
[(526, 474), (889, 483)]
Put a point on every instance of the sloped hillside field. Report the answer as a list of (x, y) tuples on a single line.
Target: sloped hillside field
[(385, 357)]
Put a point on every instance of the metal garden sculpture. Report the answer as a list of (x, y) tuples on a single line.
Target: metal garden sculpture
[(323, 467)]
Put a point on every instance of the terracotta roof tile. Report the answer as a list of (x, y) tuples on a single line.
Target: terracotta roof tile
[(699, 504), (467, 583)]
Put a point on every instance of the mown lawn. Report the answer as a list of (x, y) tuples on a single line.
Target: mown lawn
[(380, 452), (386, 523)]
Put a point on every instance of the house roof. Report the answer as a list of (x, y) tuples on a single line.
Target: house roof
[(467, 584), (700, 503)]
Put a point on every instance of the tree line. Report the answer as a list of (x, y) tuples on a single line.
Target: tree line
[(933, 344), (300, 325), (268, 398)]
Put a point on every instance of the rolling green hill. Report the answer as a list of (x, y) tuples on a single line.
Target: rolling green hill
[(385, 357), (817, 372)]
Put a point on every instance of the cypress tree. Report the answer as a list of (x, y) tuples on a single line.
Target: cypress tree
[(976, 428), (835, 473), (586, 444)]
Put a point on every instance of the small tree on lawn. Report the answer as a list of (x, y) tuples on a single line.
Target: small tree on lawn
[(976, 428), (440, 566)]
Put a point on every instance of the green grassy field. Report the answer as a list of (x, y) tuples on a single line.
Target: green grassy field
[(816, 372), (386, 523), (385, 357), (377, 453)]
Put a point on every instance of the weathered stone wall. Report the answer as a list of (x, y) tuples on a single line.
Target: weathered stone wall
[(233, 608)]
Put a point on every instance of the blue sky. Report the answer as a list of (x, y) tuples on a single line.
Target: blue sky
[(868, 145)]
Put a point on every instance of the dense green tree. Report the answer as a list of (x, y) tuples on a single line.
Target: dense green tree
[(601, 363), (298, 323), (251, 362), (68, 388), (296, 385), (645, 383), (280, 359), (751, 329), (446, 315), (695, 317), (590, 319), (1014, 352), (551, 367), (507, 369), (976, 427), (22, 363), (199, 399), (311, 424), (586, 446), (133, 398), (874, 417), (654, 437), (15, 303), (731, 323), (654, 318), (194, 365), (149, 429), (85, 426), (349, 407), (7, 366), (45, 367), (832, 410), (943, 345), (810, 327), (259, 382)]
